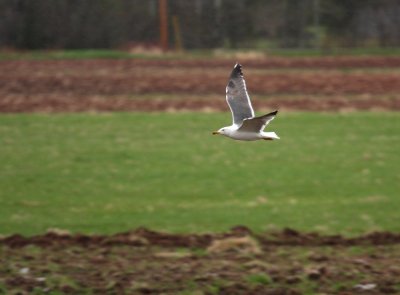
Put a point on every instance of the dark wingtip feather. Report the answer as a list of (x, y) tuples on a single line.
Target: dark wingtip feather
[(237, 71), (271, 114)]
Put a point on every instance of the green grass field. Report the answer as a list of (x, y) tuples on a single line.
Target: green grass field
[(190, 54), (105, 173)]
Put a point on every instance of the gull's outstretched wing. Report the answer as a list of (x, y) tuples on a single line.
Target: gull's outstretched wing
[(257, 124), (237, 97)]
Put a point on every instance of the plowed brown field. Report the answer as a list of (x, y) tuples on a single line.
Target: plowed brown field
[(236, 262), (147, 85)]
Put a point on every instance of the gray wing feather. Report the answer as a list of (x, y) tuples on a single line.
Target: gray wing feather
[(257, 124), (237, 97)]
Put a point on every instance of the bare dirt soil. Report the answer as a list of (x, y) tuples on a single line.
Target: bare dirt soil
[(158, 85), (236, 262)]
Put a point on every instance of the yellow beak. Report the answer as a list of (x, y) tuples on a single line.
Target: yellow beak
[(215, 132)]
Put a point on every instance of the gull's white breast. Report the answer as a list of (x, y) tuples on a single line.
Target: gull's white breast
[(242, 135)]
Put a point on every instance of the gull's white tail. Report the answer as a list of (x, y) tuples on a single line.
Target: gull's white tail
[(270, 135)]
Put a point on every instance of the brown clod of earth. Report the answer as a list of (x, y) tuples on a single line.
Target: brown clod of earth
[(245, 245)]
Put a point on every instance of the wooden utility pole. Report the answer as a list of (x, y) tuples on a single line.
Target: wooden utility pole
[(163, 24)]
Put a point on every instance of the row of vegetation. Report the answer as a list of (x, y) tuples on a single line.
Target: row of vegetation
[(200, 24)]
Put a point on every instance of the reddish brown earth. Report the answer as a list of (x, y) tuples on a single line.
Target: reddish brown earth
[(157, 85), (236, 262)]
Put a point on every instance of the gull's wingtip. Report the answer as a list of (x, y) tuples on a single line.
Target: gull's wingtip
[(272, 113), (237, 70)]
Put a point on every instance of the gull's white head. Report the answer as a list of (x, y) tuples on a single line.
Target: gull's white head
[(223, 131)]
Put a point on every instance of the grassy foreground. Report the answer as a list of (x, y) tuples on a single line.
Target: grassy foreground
[(103, 173)]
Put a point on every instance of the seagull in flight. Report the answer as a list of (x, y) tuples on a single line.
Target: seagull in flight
[(245, 125)]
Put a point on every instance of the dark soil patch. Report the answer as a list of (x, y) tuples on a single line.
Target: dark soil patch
[(55, 103), (198, 82), (236, 262)]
